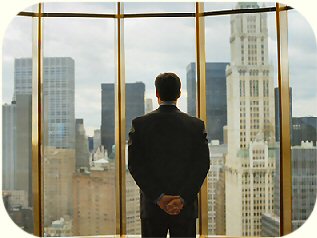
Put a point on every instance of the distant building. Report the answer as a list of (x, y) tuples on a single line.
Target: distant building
[(81, 146), (304, 129), (217, 163), (304, 167), (23, 162), (94, 197), (8, 145), (134, 107), (59, 228), (148, 105), (250, 164), (58, 95), (97, 139), (216, 97), (59, 166)]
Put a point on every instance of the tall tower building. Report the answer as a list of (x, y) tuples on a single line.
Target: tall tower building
[(215, 94), (148, 105), (250, 163), (134, 107), (8, 145), (59, 96), (81, 148)]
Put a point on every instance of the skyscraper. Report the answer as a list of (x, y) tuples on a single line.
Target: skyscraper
[(216, 97), (23, 163), (134, 107), (250, 163), (58, 95), (81, 147), (8, 145)]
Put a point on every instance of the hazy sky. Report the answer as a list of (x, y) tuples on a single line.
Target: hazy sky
[(151, 46)]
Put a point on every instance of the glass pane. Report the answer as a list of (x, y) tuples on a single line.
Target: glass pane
[(219, 6), (80, 7), (79, 168), (17, 123), (241, 79), (153, 46), (303, 69), (158, 7)]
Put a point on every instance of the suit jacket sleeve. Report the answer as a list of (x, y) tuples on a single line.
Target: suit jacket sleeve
[(139, 165), (199, 168)]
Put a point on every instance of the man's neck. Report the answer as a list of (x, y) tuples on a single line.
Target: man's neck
[(167, 103)]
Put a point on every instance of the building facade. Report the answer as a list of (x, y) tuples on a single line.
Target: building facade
[(134, 107), (8, 145), (217, 161), (304, 129), (81, 146), (94, 197), (58, 167), (215, 96), (250, 164), (58, 97), (304, 189)]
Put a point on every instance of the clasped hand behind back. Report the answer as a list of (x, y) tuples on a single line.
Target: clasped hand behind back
[(172, 205)]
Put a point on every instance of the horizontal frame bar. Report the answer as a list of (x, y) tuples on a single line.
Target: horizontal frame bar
[(151, 15)]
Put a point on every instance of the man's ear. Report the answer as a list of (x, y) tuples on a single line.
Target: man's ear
[(157, 94)]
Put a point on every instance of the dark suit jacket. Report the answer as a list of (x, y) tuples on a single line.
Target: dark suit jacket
[(168, 153)]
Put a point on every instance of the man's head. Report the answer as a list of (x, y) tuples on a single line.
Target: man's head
[(168, 87)]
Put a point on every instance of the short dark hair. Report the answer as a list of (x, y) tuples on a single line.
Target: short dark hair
[(168, 86)]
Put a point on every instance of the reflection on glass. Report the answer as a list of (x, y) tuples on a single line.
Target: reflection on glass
[(79, 167), (153, 46), (17, 123), (241, 121), (302, 60)]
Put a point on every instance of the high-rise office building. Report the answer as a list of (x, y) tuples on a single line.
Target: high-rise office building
[(304, 129), (215, 96), (304, 178), (148, 105), (250, 163), (81, 146), (23, 162), (58, 96), (134, 107), (96, 139), (8, 145)]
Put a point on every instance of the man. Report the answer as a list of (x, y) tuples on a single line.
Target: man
[(169, 160)]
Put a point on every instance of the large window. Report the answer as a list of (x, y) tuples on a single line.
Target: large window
[(79, 169), (83, 61), (153, 46)]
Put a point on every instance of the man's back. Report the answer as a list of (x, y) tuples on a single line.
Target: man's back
[(172, 148), (169, 160)]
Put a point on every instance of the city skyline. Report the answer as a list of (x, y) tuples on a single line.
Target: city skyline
[(302, 56)]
